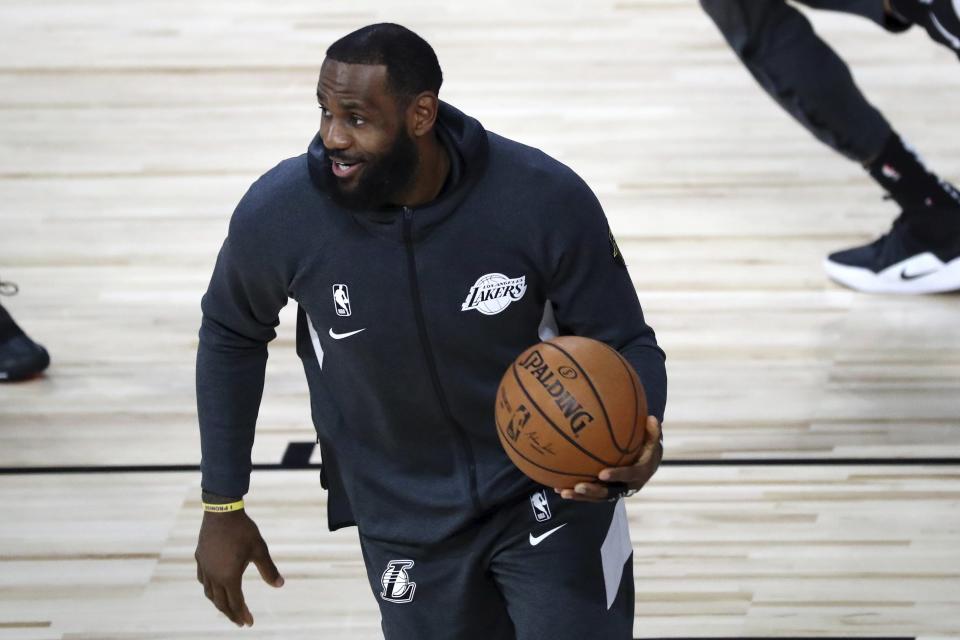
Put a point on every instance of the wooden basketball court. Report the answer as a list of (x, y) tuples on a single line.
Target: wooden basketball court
[(812, 479)]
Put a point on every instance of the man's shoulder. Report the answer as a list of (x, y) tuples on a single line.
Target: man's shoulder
[(541, 175), (281, 191), (277, 201), (530, 164), (287, 179)]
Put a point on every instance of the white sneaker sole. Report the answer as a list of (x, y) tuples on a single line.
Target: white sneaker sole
[(933, 276)]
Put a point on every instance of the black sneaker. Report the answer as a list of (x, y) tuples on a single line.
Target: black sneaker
[(920, 254), (21, 358), (940, 18)]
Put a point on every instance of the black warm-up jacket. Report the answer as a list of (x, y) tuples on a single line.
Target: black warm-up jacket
[(407, 320)]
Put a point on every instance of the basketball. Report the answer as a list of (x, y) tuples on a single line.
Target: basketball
[(568, 408)]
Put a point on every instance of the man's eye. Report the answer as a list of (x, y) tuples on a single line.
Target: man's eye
[(324, 112), (357, 120)]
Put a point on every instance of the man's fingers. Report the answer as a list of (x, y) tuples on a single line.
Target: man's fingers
[(646, 455), (241, 614), (222, 603), (218, 596), (268, 570), (585, 492), (617, 479), (570, 494), (634, 476), (208, 588), (637, 471), (653, 429), (652, 440), (627, 475)]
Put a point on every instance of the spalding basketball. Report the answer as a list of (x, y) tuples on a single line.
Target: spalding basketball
[(569, 407)]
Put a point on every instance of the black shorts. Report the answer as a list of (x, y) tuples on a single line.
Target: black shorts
[(541, 568)]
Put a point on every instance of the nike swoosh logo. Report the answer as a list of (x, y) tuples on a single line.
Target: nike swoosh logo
[(913, 276), (341, 336), (535, 540)]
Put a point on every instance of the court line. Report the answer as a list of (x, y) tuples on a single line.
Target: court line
[(300, 466)]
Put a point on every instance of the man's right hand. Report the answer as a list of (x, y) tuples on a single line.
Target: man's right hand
[(228, 543)]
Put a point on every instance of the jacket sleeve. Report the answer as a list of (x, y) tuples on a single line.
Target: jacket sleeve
[(591, 290), (240, 313)]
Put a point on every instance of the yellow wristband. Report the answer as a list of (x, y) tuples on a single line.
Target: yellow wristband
[(223, 508)]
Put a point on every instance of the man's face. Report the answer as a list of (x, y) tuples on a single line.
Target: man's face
[(370, 159)]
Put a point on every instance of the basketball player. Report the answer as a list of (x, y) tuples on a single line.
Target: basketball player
[(424, 253), (20, 357), (921, 253)]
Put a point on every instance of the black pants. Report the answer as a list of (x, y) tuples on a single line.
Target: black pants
[(543, 568), (802, 73), (8, 328)]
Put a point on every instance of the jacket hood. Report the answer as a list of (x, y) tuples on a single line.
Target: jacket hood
[(466, 142)]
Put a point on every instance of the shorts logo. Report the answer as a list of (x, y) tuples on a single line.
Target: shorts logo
[(341, 300), (493, 293), (396, 583), (541, 508)]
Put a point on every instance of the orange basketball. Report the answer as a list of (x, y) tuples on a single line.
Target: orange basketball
[(569, 407)]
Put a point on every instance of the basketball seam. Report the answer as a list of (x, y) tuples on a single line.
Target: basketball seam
[(596, 395), (513, 368), (633, 432), (636, 402)]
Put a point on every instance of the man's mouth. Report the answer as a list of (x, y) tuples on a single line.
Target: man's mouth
[(344, 169)]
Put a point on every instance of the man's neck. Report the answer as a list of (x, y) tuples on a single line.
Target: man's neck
[(433, 172)]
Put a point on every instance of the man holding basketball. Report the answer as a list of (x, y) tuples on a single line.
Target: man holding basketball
[(425, 253)]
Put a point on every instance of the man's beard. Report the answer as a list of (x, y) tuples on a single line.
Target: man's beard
[(382, 180)]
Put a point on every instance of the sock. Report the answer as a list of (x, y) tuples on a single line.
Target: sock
[(905, 11), (901, 173), (895, 17), (8, 328)]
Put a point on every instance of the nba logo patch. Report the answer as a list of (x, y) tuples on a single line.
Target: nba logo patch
[(541, 508), (341, 300), (396, 583)]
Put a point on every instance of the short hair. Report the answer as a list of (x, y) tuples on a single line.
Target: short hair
[(412, 65)]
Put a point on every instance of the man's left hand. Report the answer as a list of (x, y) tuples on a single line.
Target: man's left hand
[(633, 477)]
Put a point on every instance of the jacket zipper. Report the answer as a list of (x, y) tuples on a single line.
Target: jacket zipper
[(431, 362)]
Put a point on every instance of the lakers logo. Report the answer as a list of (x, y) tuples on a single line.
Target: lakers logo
[(396, 583), (493, 293)]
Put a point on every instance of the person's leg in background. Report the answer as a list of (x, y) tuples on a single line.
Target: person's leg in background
[(20, 357), (808, 79)]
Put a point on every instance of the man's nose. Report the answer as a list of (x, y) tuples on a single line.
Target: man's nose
[(336, 137)]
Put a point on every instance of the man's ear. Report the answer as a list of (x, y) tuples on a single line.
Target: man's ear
[(422, 113)]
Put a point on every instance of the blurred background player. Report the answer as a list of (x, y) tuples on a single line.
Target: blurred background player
[(20, 357), (921, 252)]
